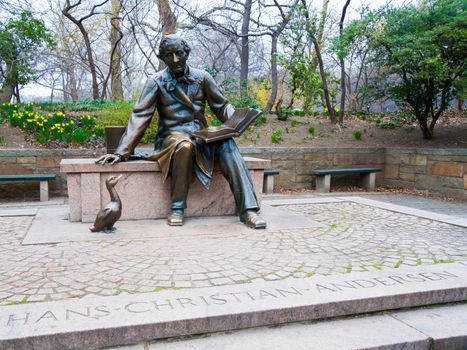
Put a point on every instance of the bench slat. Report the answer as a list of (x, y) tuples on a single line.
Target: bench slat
[(29, 177), (269, 172), (344, 171)]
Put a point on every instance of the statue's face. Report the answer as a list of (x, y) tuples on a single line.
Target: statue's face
[(175, 57)]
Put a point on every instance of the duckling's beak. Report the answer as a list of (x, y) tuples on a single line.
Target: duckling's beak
[(118, 178)]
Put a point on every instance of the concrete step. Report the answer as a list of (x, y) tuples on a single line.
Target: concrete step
[(131, 319), (430, 328)]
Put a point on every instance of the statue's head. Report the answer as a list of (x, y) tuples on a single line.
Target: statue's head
[(174, 51)]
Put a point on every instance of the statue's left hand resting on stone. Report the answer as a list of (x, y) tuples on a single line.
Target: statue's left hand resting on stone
[(109, 158)]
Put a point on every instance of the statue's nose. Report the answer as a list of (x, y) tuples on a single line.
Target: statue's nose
[(176, 59)]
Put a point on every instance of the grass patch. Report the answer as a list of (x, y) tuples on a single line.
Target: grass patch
[(443, 261)]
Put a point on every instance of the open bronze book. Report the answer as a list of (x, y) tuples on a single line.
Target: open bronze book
[(233, 127)]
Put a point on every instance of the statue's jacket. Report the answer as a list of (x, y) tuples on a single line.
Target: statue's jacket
[(181, 110)]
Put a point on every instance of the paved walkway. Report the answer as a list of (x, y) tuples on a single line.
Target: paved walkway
[(353, 237)]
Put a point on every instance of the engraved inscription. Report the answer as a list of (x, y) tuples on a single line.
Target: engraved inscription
[(216, 299)]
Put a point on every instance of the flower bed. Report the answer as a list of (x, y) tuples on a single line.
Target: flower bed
[(57, 126)]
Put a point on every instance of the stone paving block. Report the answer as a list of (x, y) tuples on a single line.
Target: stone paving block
[(447, 325)]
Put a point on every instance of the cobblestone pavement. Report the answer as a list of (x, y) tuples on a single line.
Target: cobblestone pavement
[(356, 238), (458, 209)]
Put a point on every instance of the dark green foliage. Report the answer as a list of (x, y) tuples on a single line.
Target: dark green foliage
[(420, 52), (357, 134), (80, 135), (21, 40), (276, 136), (311, 130)]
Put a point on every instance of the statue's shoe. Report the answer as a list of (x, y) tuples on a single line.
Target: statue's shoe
[(252, 219), (176, 218)]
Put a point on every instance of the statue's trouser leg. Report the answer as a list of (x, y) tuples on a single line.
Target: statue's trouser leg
[(181, 172), (236, 172)]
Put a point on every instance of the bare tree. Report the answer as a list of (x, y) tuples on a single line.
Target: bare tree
[(342, 64), (314, 39), (116, 36), (79, 23)]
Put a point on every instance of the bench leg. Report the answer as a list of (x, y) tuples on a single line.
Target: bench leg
[(323, 183), (268, 184), (44, 191), (367, 181)]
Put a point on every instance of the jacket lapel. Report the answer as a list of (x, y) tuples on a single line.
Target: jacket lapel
[(180, 95)]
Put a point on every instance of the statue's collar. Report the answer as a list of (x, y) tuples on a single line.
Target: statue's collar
[(171, 81)]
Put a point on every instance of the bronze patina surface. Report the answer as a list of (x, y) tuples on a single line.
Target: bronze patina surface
[(179, 93)]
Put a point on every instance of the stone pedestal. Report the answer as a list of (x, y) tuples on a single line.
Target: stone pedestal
[(142, 192)]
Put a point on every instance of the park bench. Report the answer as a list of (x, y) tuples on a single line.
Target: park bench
[(367, 177), (42, 178), (268, 181)]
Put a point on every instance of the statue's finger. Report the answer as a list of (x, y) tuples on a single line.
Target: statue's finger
[(100, 159)]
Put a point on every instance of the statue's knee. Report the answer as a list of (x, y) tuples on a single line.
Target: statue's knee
[(185, 147)]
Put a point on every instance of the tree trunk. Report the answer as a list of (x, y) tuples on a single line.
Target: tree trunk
[(168, 22), (245, 52), (116, 88), (327, 98), (167, 18), (87, 42), (6, 93), (427, 132), (342, 64), (72, 84), (274, 83)]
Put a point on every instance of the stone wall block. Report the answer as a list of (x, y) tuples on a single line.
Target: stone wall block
[(415, 169), (446, 169), (391, 171), (319, 157), (449, 158), (17, 169), (7, 160), (343, 160), (26, 160), (437, 183), (417, 159), (48, 162), (394, 157), (285, 156), (465, 182), (367, 158), (284, 164), (407, 176), (308, 179)]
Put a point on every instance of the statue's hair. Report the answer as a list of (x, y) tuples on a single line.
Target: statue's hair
[(171, 38)]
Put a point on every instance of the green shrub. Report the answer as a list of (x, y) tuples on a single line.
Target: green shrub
[(80, 135), (357, 134), (311, 130), (390, 124), (276, 136), (261, 120)]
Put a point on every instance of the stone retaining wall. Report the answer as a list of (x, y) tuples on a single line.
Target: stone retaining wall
[(295, 164), (442, 171), (35, 161)]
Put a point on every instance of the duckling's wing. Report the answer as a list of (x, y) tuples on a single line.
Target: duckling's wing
[(101, 215)]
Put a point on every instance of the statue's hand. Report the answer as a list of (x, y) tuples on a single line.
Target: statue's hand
[(109, 158)]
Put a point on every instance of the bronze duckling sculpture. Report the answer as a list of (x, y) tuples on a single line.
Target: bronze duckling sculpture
[(107, 216)]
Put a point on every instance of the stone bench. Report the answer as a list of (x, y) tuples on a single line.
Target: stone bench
[(143, 194), (42, 178), (268, 182), (323, 177)]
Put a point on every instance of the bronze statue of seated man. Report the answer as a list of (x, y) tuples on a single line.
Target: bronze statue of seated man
[(179, 93)]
